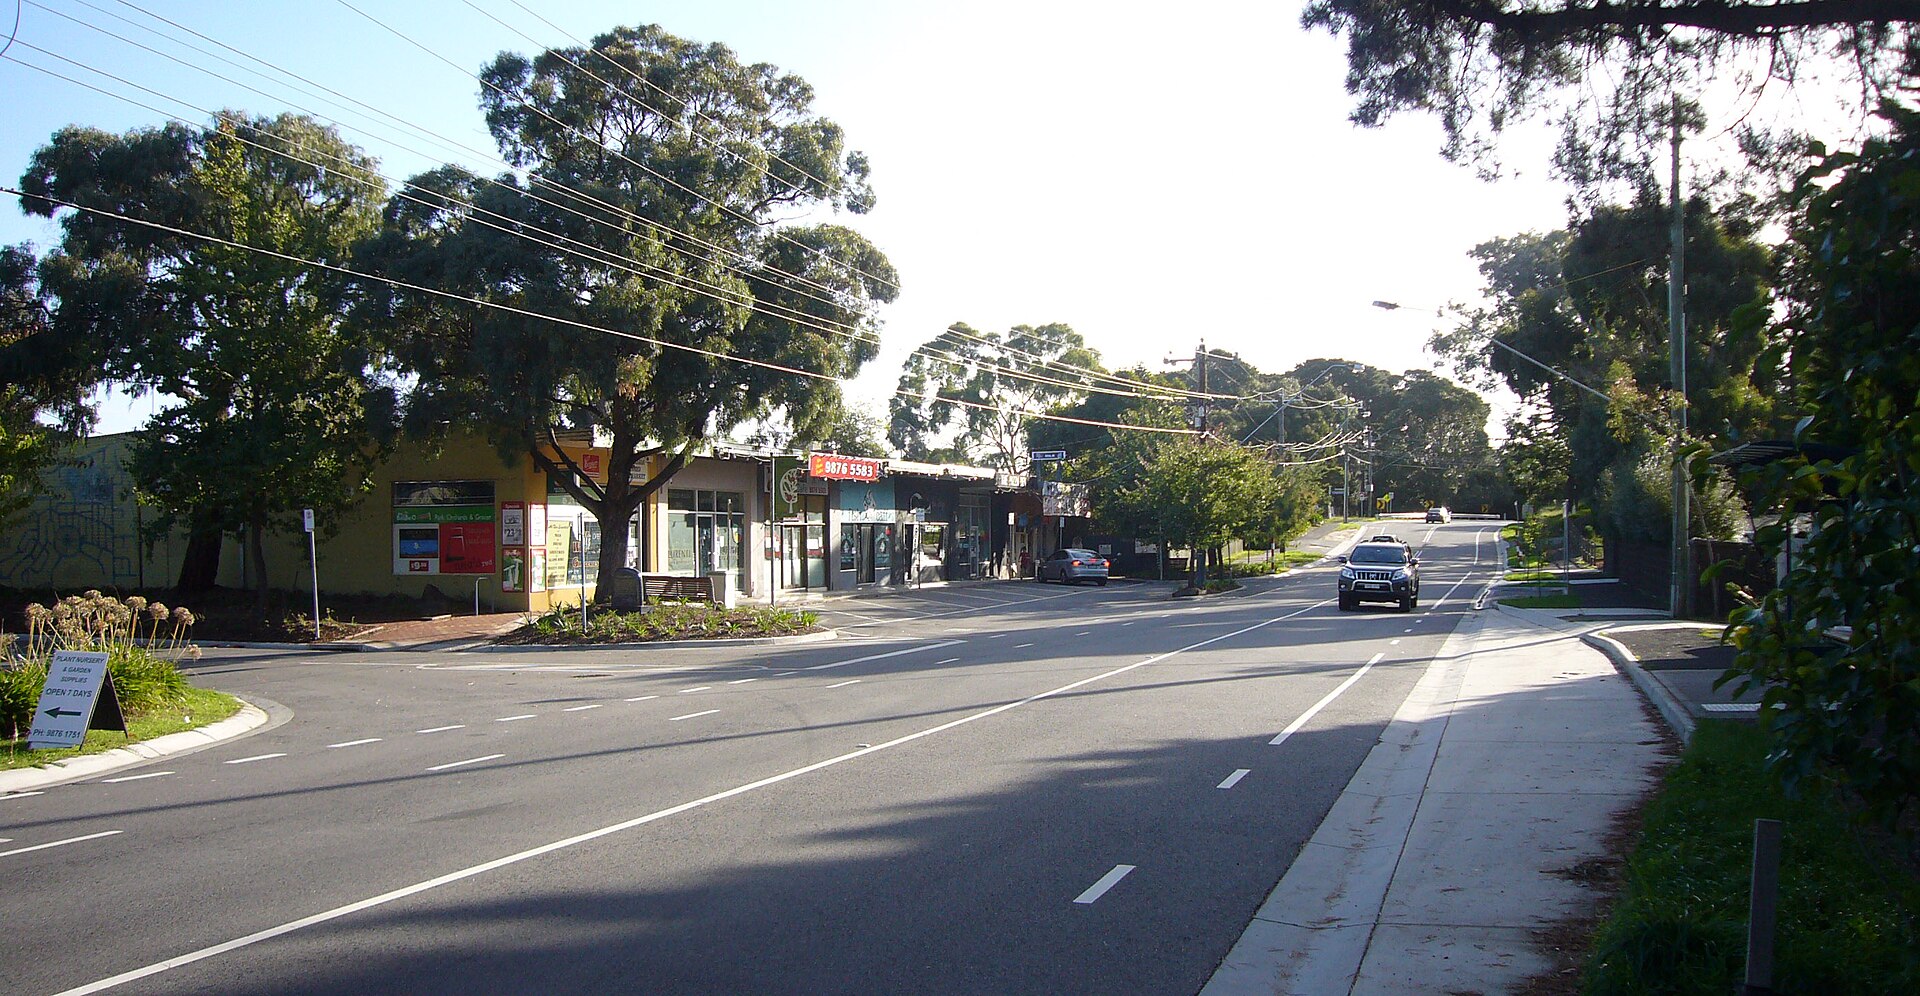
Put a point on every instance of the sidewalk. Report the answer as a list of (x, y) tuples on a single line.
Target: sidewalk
[(1467, 830)]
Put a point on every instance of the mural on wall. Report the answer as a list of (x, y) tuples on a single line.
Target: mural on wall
[(84, 528)]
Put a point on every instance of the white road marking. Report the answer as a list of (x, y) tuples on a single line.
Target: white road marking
[(20, 795), (890, 653), (443, 729), (693, 715), (997, 636), (1322, 704), (1107, 881), (1083, 632), (689, 691), (642, 698), (58, 843), (1234, 779), (135, 778), (515, 719), (1393, 643), (256, 757), (463, 874), (783, 674), (1022, 646), (844, 684), (471, 760), (742, 681), (583, 708), (355, 743), (1129, 622), (949, 660)]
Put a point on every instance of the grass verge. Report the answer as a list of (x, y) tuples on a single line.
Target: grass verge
[(1847, 898), (197, 707)]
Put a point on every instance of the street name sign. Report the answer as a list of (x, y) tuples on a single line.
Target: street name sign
[(1042, 456), (78, 696)]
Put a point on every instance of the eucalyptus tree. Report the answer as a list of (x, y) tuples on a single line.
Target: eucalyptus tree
[(42, 388), (639, 274), (196, 265), (984, 388)]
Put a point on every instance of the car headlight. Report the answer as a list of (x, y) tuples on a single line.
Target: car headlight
[(1400, 575), (1347, 572)]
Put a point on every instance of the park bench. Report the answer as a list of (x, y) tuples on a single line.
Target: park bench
[(675, 587)]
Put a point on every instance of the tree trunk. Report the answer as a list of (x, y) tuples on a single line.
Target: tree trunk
[(257, 556), (200, 564)]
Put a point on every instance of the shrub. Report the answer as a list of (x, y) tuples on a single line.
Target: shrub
[(670, 621), (134, 634)]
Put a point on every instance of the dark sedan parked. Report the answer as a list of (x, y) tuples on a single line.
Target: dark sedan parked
[(1380, 572), (1071, 565)]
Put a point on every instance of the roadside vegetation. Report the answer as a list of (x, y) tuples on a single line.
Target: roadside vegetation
[(141, 640), (665, 621), (1848, 899)]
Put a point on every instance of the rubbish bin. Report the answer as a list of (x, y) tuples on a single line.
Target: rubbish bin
[(722, 587)]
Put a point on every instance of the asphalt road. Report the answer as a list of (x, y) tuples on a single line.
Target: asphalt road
[(1008, 788)]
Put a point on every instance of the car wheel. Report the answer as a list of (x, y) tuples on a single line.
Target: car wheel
[(1102, 582), (1346, 604), (1406, 604)]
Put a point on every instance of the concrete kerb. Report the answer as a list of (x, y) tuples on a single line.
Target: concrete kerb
[(753, 641), (249, 719), (1678, 714)]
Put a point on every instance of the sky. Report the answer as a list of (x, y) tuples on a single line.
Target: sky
[(1151, 181)]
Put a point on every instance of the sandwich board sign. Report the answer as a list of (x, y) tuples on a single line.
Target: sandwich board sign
[(77, 697)]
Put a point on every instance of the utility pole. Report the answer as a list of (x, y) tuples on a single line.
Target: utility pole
[(1200, 381), (1681, 557)]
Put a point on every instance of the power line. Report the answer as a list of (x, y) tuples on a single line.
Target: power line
[(661, 343)]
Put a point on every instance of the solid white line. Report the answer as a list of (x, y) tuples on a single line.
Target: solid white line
[(702, 688), (693, 715), (443, 729), (256, 757), (559, 845), (20, 795), (742, 681), (135, 778), (355, 743), (1234, 779), (891, 653), (844, 684), (1107, 881), (949, 660), (471, 760), (583, 708), (642, 698), (58, 843), (1322, 704), (515, 719)]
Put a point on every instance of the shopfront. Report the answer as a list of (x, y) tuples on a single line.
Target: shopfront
[(800, 514)]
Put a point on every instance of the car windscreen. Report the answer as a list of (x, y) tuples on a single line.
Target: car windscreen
[(1378, 555), (1082, 554)]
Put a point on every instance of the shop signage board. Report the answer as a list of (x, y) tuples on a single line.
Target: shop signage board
[(1061, 498), (834, 467), (78, 696), (792, 483)]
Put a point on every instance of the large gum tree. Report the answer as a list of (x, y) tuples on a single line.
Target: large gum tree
[(655, 203)]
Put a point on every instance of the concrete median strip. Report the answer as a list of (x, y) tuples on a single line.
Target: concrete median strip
[(248, 719)]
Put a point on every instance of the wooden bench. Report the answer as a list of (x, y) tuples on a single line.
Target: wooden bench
[(675, 587)]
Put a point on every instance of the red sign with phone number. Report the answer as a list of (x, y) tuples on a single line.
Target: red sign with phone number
[(834, 467)]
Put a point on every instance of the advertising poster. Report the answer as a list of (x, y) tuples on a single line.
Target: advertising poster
[(466, 548), (536, 568), (513, 523), (560, 551), (513, 569)]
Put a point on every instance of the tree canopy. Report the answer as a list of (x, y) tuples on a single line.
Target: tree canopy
[(1606, 72), (644, 249), (279, 407), (984, 387), (42, 396)]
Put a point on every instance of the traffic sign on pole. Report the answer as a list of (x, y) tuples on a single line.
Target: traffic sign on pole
[(1046, 456)]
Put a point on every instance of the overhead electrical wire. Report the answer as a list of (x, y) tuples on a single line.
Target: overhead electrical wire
[(660, 343), (1134, 388), (592, 253)]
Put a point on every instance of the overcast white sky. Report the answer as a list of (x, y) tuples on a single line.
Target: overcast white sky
[(1150, 180)]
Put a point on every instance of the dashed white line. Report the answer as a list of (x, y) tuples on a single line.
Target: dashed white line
[(642, 698), (471, 760), (949, 660), (1022, 646), (1083, 632), (742, 681), (997, 636), (20, 795), (1322, 704), (355, 743), (783, 674), (1234, 779), (693, 715), (443, 729), (58, 843), (132, 778), (844, 684), (1393, 643), (1129, 622), (515, 719), (1107, 881), (583, 708), (256, 757), (890, 653), (689, 691)]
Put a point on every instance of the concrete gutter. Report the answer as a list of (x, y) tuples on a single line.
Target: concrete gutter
[(249, 719)]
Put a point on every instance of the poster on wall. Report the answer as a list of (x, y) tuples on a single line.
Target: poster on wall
[(443, 527), (513, 523), (536, 568), (466, 548), (513, 568), (560, 551)]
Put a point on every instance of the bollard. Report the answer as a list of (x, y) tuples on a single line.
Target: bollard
[(1762, 904)]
